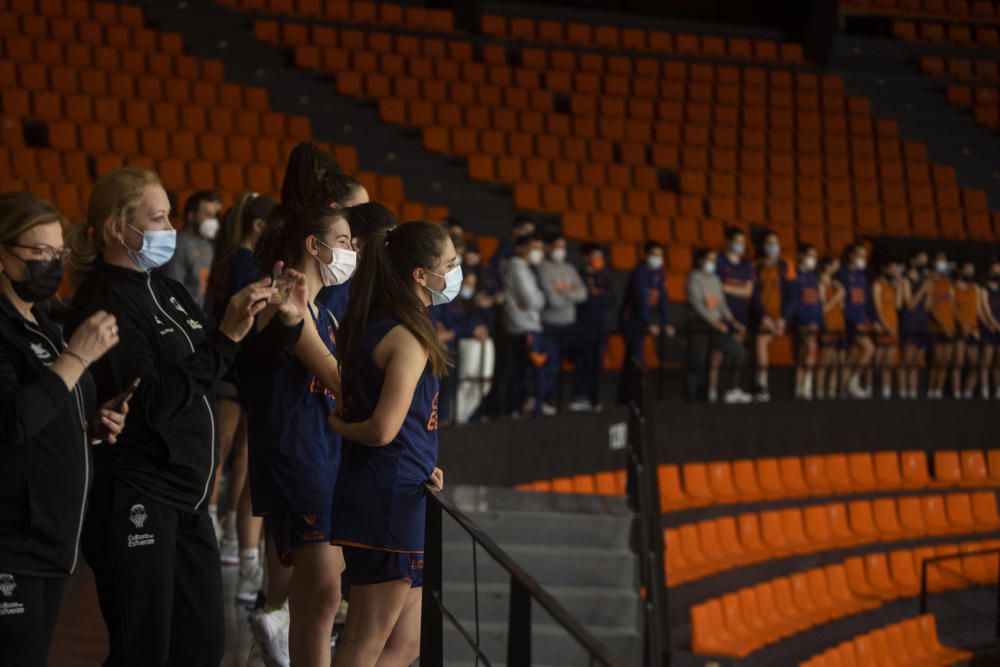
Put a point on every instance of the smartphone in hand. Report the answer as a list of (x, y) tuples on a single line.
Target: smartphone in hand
[(283, 283), (119, 400)]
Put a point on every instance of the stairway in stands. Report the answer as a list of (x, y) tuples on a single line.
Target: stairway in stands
[(577, 548), (213, 31)]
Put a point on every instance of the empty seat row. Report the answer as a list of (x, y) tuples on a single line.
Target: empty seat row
[(942, 33), (640, 39), (949, 9), (705, 548), (739, 623), (910, 642), (961, 68), (89, 31), (355, 11), (724, 482), (79, 55), (984, 103), (79, 10)]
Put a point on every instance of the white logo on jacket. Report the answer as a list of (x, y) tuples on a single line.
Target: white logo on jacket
[(137, 515), (40, 351), (177, 304), (7, 584)]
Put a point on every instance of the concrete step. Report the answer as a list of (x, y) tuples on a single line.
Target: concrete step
[(591, 606), (551, 566), (550, 645)]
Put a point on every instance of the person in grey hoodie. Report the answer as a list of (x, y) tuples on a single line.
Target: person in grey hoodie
[(195, 251), (522, 309), (563, 289), (711, 326)]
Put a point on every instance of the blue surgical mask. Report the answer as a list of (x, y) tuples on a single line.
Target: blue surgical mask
[(468, 292), (772, 251), (157, 248), (452, 286)]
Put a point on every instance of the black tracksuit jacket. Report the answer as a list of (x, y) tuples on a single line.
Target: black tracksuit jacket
[(169, 446), (46, 468)]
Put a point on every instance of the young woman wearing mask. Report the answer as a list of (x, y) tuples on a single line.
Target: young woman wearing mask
[(857, 380), (887, 297), (148, 535), (942, 325), (391, 364), (915, 295), (591, 338), (833, 346), (803, 311), (967, 306), (48, 424), (234, 269), (736, 273), (770, 277), (989, 316), (294, 456)]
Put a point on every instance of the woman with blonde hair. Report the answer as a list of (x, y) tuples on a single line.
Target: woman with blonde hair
[(48, 423), (148, 535)]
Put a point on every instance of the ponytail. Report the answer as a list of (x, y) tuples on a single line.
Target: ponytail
[(383, 286), (115, 195)]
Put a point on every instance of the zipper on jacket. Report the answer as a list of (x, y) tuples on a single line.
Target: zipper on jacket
[(78, 400), (211, 417)]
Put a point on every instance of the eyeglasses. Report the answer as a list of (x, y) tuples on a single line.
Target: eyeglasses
[(43, 251)]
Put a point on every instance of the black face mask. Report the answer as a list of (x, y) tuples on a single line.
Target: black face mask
[(44, 278)]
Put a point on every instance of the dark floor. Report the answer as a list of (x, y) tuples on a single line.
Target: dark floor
[(81, 641)]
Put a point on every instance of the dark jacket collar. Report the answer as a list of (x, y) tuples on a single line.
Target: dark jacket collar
[(119, 272)]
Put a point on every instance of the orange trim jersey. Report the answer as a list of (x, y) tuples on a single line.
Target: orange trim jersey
[(967, 305), (942, 306), (890, 316)]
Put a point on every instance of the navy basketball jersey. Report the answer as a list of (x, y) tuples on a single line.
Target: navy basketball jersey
[(380, 497)]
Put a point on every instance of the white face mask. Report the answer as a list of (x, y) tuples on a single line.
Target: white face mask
[(809, 263), (860, 263), (941, 266), (535, 257), (708, 267), (655, 262), (209, 228), (452, 287), (559, 255), (738, 248), (772, 251), (341, 266)]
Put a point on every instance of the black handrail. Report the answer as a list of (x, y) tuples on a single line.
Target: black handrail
[(523, 589), (933, 560), (644, 499)]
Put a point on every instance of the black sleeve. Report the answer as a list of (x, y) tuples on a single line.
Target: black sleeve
[(164, 393), (26, 409), (265, 352)]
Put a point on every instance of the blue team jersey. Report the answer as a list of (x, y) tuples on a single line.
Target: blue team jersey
[(804, 307), (857, 299), (736, 274), (380, 498), (914, 320), (594, 311), (294, 456)]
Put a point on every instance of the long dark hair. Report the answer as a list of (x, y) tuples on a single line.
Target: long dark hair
[(284, 237), (383, 287), (306, 176)]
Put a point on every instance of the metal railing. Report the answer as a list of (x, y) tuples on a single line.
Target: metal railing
[(957, 574), (642, 488), (524, 589)]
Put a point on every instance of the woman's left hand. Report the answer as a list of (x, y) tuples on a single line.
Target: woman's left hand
[(112, 421), (436, 480)]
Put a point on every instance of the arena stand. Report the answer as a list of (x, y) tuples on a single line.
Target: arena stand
[(777, 549)]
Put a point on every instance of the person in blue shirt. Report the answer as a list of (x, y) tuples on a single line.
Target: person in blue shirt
[(803, 311), (590, 339), (859, 315), (644, 312), (523, 226), (391, 363), (235, 267), (736, 273), (294, 454)]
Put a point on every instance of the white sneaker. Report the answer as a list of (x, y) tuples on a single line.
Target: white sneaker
[(270, 629), (762, 395), (549, 410), (713, 396), (249, 584), (737, 397), (886, 393), (855, 390), (229, 550), (579, 405), (984, 393)]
